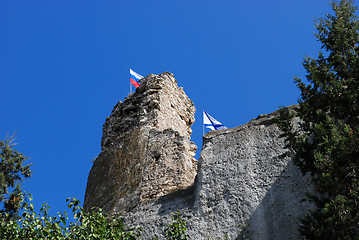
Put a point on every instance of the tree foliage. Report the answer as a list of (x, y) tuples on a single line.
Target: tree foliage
[(94, 225), (326, 142), (87, 225), (12, 174)]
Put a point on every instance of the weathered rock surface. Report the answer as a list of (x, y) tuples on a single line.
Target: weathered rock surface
[(146, 148), (243, 189)]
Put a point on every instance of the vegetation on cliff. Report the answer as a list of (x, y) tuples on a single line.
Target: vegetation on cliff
[(326, 142)]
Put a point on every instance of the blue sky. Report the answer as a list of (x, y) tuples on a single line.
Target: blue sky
[(65, 64)]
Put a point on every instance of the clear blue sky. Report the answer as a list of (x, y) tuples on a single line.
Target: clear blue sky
[(65, 64)]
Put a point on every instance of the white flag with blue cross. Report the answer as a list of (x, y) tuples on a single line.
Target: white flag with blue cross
[(211, 123)]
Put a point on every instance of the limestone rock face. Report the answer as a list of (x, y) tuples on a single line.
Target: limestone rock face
[(146, 148), (243, 190)]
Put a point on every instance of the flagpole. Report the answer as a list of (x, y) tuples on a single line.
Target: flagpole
[(203, 122)]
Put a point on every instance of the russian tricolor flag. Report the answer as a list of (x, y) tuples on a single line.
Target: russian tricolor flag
[(135, 77)]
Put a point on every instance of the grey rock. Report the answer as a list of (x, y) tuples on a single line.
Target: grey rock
[(243, 188), (146, 148)]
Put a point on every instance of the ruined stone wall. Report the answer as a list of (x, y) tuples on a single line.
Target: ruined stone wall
[(146, 148)]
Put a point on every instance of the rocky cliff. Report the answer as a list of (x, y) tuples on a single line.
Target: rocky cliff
[(243, 188), (146, 148)]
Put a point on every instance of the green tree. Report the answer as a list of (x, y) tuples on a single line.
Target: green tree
[(326, 141), (12, 174)]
